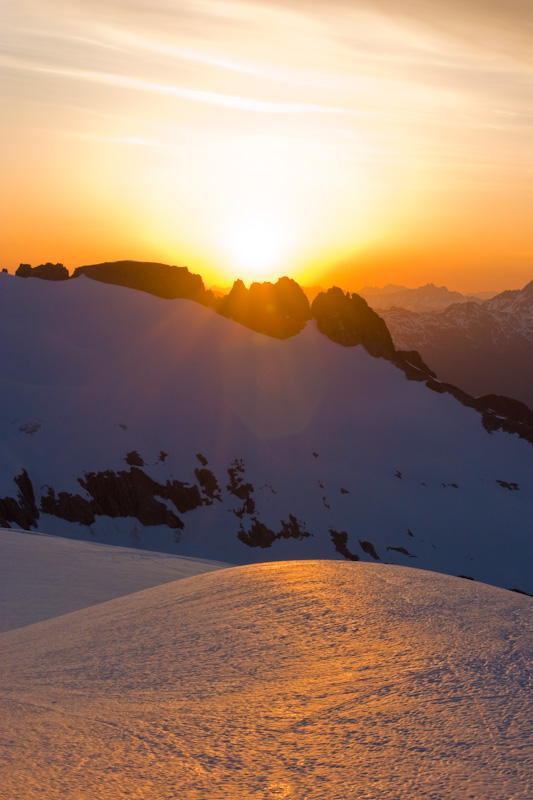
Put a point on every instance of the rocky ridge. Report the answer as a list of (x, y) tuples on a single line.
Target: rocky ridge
[(234, 442)]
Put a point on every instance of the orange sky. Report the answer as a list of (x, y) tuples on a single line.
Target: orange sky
[(339, 141)]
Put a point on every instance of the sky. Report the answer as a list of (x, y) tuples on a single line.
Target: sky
[(334, 141)]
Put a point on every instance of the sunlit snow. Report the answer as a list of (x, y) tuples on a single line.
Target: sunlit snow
[(304, 681)]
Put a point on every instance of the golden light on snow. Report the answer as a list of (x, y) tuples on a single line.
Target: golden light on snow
[(293, 680)]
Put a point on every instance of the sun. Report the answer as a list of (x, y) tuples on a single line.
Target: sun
[(257, 246)]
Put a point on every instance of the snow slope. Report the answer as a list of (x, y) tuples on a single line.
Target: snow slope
[(277, 449), (303, 681), (43, 576)]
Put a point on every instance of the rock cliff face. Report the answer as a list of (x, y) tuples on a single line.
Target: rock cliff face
[(349, 320), (134, 494), (21, 510), (161, 280), (48, 272), (122, 493), (278, 309), (259, 535)]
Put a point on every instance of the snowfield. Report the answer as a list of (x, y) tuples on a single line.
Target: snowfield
[(44, 576), (129, 414), (305, 681), (190, 440)]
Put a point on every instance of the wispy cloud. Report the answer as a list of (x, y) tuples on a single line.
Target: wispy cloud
[(231, 101), (327, 99)]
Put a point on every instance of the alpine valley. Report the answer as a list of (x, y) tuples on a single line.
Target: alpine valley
[(483, 347), (252, 428)]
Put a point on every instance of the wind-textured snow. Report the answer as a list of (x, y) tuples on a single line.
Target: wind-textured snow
[(302, 681), (43, 576)]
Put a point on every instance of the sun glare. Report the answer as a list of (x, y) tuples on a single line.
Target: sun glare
[(257, 244)]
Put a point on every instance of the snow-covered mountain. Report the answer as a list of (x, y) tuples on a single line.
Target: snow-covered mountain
[(131, 419), (483, 348), (517, 303), (315, 680), (425, 298)]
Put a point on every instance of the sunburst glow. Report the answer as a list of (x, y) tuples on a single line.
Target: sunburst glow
[(334, 142), (257, 244)]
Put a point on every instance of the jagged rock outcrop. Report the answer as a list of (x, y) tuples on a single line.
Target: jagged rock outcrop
[(278, 309), (23, 510), (340, 540), (349, 320), (293, 529), (71, 507), (129, 494), (498, 413), (259, 535), (48, 272), (411, 362), (161, 280), (208, 484), (402, 550), (184, 496), (369, 548), (113, 494), (134, 459), (238, 488)]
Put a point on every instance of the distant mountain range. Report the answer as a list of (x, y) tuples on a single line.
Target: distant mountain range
[(482, 347), (251, 427)]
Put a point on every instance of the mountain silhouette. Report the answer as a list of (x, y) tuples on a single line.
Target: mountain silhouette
[(161, 280), (48, 272), (278, 309)]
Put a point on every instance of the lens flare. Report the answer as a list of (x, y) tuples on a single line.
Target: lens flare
[(257, 243)]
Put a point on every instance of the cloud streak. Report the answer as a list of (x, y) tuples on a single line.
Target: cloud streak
[(230, 101), (308, 105)]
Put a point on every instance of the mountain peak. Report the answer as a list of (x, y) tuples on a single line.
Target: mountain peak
[(170, 427)]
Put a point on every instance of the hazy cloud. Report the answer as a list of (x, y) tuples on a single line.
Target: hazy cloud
[(236, 102), (429, 97)]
